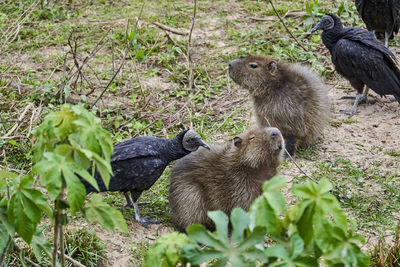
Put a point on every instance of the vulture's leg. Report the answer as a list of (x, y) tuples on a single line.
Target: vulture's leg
[(359, 98), (387, 35), (145, 220), (129, 202)]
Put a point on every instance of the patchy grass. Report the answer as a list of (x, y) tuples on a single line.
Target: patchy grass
[(150, 94), (387, 252)]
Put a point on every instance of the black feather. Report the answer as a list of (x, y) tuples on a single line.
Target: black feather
[(380, 15), (362, 59), (138, 163)]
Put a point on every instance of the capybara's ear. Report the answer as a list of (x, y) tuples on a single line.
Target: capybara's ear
[(272, 67), (237, 141)]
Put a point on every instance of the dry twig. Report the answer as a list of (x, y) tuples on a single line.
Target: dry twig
[(169, 29), (284, 25), (189, 47)]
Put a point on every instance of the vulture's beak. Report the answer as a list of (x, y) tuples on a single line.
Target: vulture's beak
[(316, 27)]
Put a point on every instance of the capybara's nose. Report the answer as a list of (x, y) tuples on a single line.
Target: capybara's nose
[(233, 63), (274, 132)]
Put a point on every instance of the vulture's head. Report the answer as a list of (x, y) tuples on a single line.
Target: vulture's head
[(326, 23), (191, 141)]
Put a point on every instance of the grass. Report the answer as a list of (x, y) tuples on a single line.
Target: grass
[(81, 244), (150, 95), (387, 254)]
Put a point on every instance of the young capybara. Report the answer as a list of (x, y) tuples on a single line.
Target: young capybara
[(290, 97), (224, 177)]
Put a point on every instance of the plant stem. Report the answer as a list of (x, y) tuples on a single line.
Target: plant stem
[(56, 227), (62, 250), (4, 253)]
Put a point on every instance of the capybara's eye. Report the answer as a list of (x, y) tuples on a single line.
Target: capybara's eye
[(253, 65), (251, 138)]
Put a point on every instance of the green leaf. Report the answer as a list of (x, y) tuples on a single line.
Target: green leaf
[(40, 246), (256, 237), (221, 224), (25, 208), (262, 214), (305, 224), (197, 233), (108, 217), (275, 183), (240, 221), (296, 246), (276, 200), (166, 248), (277, 251), (76, 192), (197, 256)]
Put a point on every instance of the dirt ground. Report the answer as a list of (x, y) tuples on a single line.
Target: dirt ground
[(364, 140), (377, 126)]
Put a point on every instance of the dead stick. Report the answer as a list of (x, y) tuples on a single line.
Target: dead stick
[(166, 28), (109, 83), (284, 25), (18, 249), (189, 52)]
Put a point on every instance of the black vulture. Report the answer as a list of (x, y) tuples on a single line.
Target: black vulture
[(361, 59), (380, 16), (138, 163)]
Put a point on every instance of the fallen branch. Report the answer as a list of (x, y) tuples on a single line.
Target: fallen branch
[(189, 50), (284, 25), (169, 29)]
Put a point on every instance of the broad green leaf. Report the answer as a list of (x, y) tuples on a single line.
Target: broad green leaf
[(89, 178), (276, 200), (166, 248), (63, 122), (5, 222), (197, 256), (324, 186), (4, 237), (262, 214), (221, 224), (303, 191), (40, 246), (277, 251), (50, 173), (254, 238), (76, 192), (6, 174), (296, 246), (25, 208), (108, 217), (240, 221), (275, 183), (197, 233), (17, 215), (305, 224)]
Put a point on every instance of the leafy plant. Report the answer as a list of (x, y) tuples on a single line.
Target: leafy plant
[(311, 232), (68, 142)]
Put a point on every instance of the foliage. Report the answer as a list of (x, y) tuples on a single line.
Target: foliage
[(67, 143), (312, 231)]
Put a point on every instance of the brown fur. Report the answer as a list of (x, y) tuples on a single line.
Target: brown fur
[(224, 177), (292, 97)]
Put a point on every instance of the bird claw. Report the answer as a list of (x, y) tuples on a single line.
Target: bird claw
[(146, 220), (347, 112)]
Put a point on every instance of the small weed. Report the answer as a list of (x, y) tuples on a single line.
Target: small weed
[(139, 250), (387, 254), (393, 153), (84, 246)]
